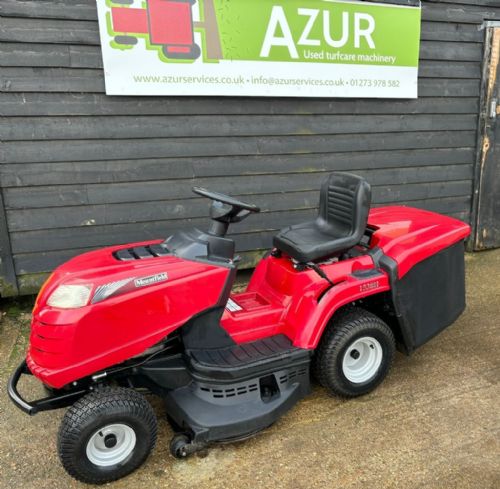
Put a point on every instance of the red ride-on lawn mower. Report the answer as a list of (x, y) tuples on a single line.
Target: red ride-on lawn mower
[(167, 23), (335, 295)]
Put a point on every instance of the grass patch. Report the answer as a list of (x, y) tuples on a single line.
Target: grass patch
[(15, 307)]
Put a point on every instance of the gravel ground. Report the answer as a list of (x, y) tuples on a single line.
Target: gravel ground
[(434, 423)]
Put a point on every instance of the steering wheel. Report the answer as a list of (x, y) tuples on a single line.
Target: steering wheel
[(225, 199), (225, 210)]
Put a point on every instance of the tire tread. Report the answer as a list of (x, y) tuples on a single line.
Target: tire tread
[(101, 401), (346, 323)]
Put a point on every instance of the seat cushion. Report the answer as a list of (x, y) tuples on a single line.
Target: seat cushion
[(344, 203), (305, 242)]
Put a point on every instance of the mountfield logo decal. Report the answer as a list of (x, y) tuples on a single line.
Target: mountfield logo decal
[(153, 279), (259, 47)]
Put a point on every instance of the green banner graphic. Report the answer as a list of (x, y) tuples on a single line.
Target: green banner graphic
[(318, 31)]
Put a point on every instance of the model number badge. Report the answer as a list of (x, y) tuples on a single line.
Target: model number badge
[(368, 286), (153, 279)]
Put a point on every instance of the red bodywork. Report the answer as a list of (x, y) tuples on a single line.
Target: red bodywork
[(168, 23), (67, 345)]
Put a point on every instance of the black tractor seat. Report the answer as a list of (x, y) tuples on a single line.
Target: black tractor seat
[(344, 204)]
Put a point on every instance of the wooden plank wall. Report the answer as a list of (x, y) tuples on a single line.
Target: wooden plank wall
[(80, 170)]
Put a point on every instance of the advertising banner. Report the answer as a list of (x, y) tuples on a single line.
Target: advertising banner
[(283, 48)]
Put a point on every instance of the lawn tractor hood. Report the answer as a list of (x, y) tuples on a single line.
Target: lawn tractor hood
[(106, 306)]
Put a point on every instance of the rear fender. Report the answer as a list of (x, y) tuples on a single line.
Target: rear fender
[(311, 314)]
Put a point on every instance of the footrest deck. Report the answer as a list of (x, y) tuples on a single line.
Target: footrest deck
[(238, 360)]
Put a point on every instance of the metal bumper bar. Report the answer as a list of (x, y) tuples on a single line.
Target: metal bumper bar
[(60, 399)]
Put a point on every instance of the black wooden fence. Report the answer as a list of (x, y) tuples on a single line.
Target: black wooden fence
[(80, 170)]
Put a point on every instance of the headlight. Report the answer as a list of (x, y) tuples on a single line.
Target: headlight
[(70, 296)]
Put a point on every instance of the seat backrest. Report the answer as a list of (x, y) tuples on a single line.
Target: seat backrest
[(344, 204)]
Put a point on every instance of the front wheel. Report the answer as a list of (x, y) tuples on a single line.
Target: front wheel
[(106, 435), (355, 353)]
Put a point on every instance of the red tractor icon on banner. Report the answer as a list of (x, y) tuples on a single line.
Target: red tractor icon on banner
[(168, 25)]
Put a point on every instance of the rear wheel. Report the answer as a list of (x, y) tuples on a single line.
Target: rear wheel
[(193, 53), (106, 435), (355, 353)]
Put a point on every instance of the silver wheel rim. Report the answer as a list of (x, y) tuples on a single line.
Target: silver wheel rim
[(362, 360), (111, 445)]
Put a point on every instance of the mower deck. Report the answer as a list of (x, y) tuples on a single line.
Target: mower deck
[(212, 409), (239, 389)]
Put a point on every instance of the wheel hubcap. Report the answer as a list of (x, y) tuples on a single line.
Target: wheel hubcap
[(111, 445), (362, 360), (110, 441)]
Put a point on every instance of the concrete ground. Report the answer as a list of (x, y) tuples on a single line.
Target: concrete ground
[(434, 422)]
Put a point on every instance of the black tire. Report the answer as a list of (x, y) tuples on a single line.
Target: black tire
[(193, 54), (126, 40), (178, 446), (98, 411), (341, 334)]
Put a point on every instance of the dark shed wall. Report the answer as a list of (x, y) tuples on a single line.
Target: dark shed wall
[(80, 170)]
